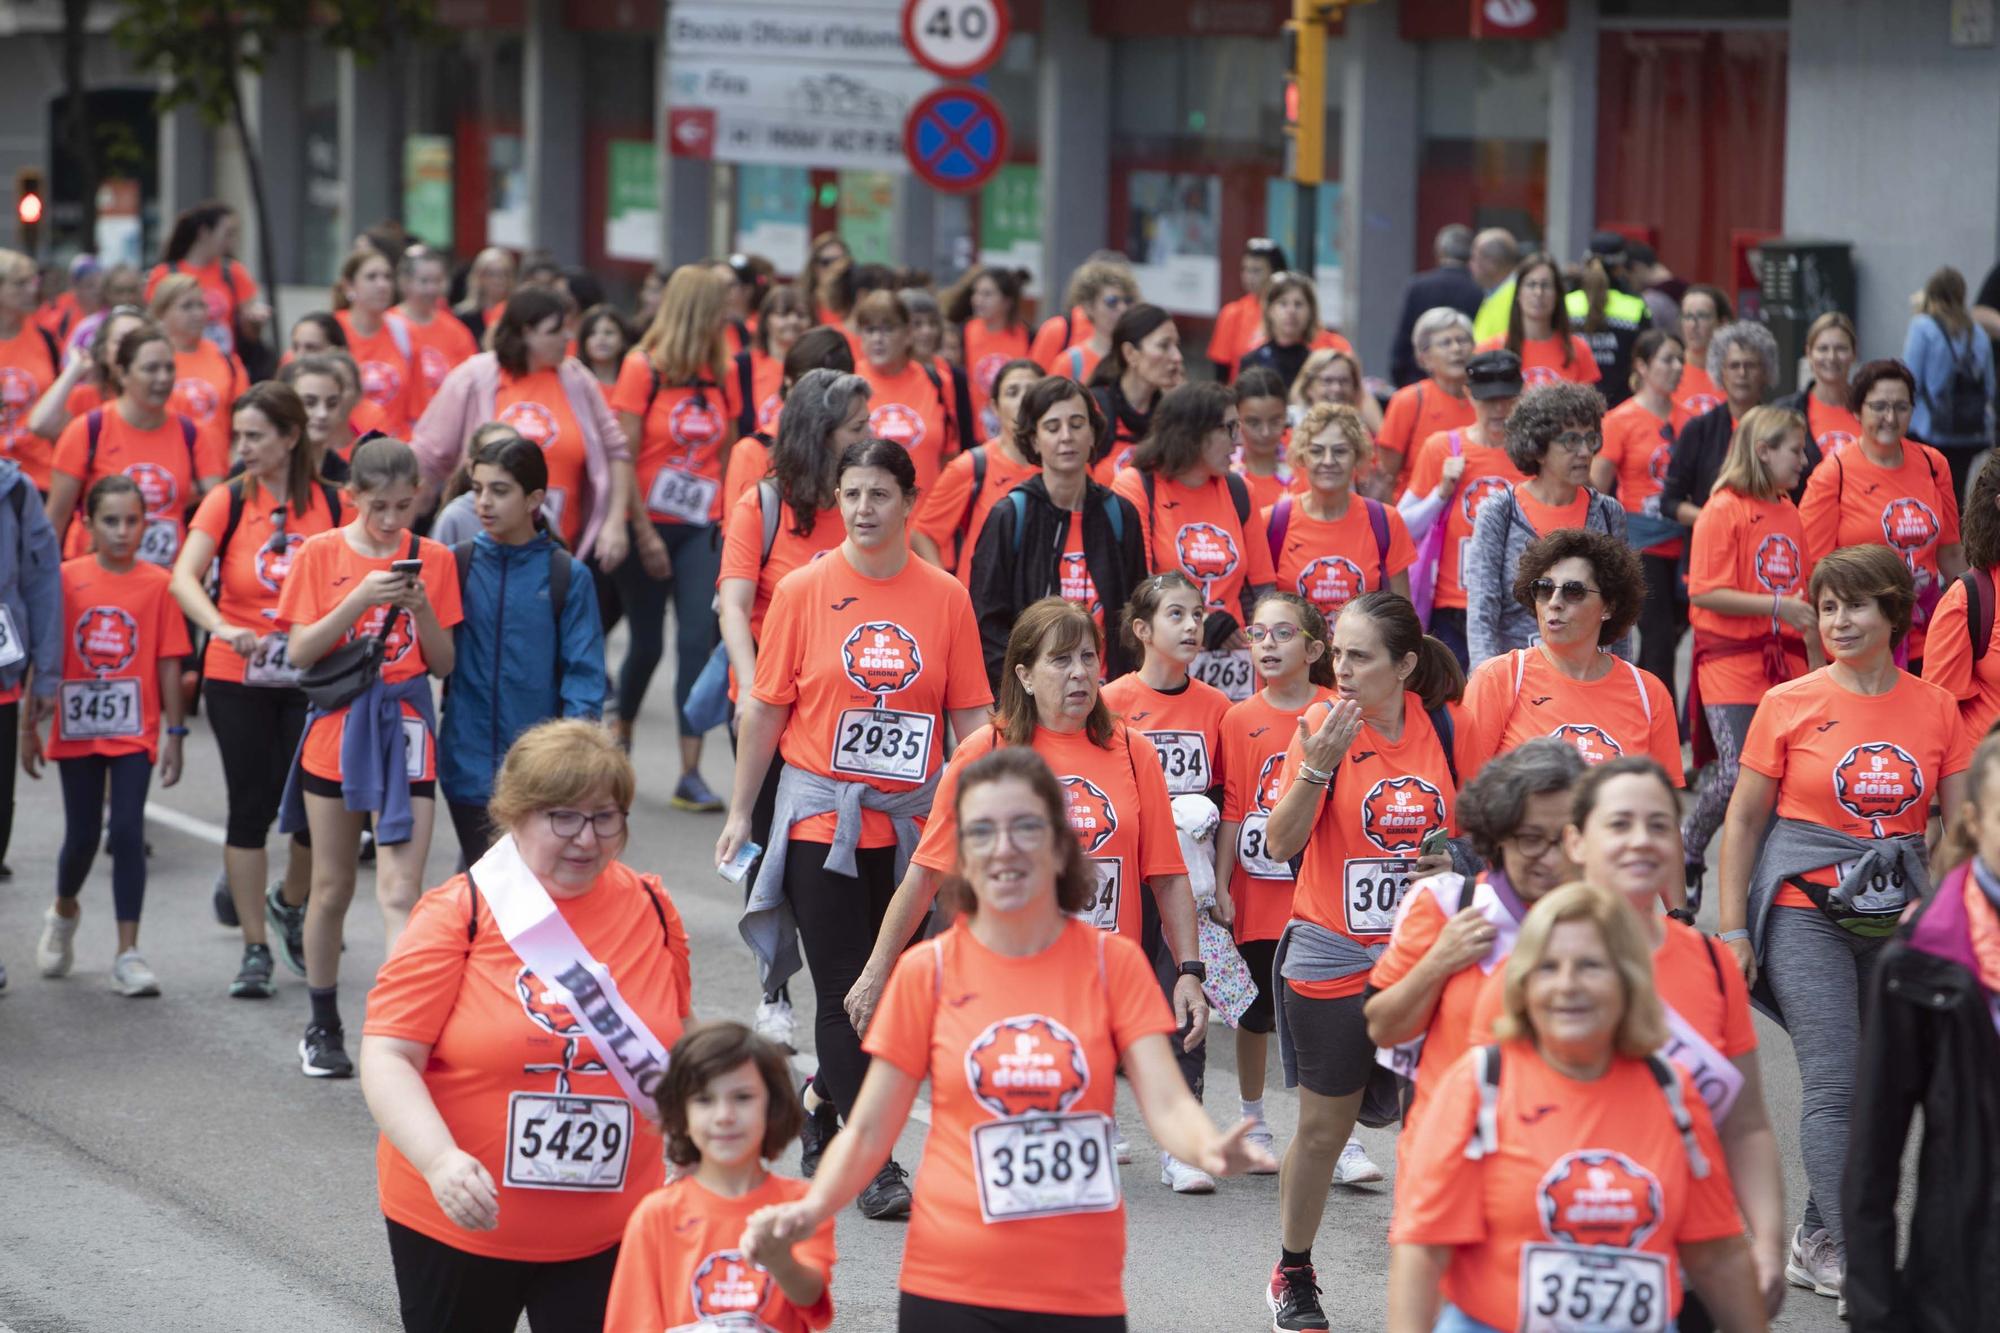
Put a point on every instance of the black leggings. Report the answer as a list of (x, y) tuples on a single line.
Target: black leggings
[(10, 740), (257, 728), (442, 1289), (83, 784), (921, 1314), (1663, 617), (838, 916), (475, 831), (1153, 939)]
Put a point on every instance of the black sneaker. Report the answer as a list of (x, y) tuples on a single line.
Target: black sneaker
[(253, 978), (323, 1053), (1696, 871), (366, 856), (225, 906), (817, 1133), (1294, 1299), (888, 1195), (288, 927)]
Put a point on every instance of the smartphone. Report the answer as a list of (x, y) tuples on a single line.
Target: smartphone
[(407, 568), (737, 866), (1436, 843)]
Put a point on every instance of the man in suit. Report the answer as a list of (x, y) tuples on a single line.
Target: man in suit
[(1451, 283)]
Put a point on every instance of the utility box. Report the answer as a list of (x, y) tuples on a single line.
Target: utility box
[(1798, 281)]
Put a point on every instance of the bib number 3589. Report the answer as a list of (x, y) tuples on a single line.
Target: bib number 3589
[(1045, 1166), (559, 1142), (1592, 1289)]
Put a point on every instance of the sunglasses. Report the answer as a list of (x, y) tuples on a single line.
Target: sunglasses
[(1572, 591)]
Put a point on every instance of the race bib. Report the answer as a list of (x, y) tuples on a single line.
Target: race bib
[(883, 743), (682, 497), (271, 664), (1103, 909), (415, 736), (1373, 887), (559, 1142), (161, 543), (1184, 759), (12, 650), (1592, 1289), (1250, 850), (1045, 1166), (1713, 1075), (95, 709), (737, 1321), (1227, 671)]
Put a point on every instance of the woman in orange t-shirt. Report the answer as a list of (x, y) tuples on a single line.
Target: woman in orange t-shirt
[(986, 306), (1289, 331), (910, 404), (1238, 322), (1019, 1015), (31, 360), (517, 1138), (1072, 343), (380, 341), (1442, 340), (1704, 310), (1826, 401), (88, 379), (442, 341), (1564, 1176), (1330, 544), (1143, 365), (949, 517), (328, 388), (1538, 328), (1368, 788), (1180, 715), (207, 381), (1333, 375), (1638, 445), (782, 317), (1261, 459), (1970, 672), (603, 341)]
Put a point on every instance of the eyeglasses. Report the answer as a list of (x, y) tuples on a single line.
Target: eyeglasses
[(1275, 633), (1578, 441), (1894, 408), (1538, 285), (1115, 300), (567, 824), (1572, 591), (1329, 453), (1028, 833), (1532, 844)]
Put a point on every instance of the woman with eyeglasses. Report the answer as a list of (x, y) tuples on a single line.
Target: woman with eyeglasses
[(1329, 544), (1705, 312), (1538, 328), (1073, 342), (1143, 365), (1333, 375), (513, 1041), (251, 527), (1442, 340), (1554, 433), (1889, 489)]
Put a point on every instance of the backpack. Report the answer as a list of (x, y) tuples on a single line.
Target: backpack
[(236, 502), (1960, 411), (94, 425), (1075, 355), (1239, 495), (561, 566), (1485, 1140), (1979, 599), (771, 512), (746, 386), (1017, 504), (1378, 523)]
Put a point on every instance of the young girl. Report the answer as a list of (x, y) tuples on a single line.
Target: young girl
[(1181, 716), (1260, 405), (728, 1108), (530, 647), (379, 340), (322, 385), (376, 754), (121, 667), (1290, 650)]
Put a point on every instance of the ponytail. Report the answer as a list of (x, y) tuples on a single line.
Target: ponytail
[(1437, 679), (1313, 626)]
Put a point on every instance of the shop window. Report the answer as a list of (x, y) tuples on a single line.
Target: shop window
[(1485, 123)]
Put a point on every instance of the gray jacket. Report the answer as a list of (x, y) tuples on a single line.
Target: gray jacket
[(30, 583), (1494, 622)]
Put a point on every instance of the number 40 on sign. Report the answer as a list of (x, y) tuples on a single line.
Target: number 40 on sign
[(956, 39)]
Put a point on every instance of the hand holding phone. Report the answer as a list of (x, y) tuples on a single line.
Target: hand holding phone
[(407, 568)]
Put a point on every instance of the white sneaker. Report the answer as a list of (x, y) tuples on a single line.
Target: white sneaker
[(1184, 1179), (774, 1022), (1260, 1134), (132, 977), (55, 954), (1355, 1167), (1815, 1263), (1121, 1147)]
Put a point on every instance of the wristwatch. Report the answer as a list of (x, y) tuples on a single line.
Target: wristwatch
[(1195, 968), (1682, 915)]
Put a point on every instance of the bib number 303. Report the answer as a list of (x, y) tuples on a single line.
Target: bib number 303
[(1592, 1289), (1372, 888), (557, 1142), (1045, 1166)]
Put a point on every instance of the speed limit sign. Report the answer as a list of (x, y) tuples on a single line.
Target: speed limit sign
[(955, 38)]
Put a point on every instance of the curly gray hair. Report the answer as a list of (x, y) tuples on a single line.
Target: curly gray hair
[(1494, 803), (1545, 412), (1434, 321), (1746, 333)]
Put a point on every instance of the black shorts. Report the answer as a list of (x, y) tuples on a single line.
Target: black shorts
[(312, 784), (1258, 955), (1330, 1042), (921, 1314)]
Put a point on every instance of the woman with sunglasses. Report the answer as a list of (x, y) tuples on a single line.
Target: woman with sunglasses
[(251, 527), (1073, 342)]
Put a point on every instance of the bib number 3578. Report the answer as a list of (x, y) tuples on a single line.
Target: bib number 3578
[(559, 1142), (1592, 1289)]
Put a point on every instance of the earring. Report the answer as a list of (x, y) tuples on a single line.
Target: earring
[(1029, 688)]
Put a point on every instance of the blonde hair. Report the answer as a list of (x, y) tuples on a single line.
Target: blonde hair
[(1743, 470), (557, 764), (685, 341), (171, 289), (13, 262), (1322, 417), (1093, 276), (1642, 1028), (1317, 362)]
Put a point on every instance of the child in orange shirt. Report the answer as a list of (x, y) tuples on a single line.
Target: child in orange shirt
[(727, 1107), (1180, 715)]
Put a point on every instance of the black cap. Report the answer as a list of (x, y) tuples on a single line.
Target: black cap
[(1607, 245), (1494, 374)]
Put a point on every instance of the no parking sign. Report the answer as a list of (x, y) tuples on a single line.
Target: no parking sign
[(955, 138)]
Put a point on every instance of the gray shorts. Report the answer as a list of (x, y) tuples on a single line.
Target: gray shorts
[(1329, 1040)]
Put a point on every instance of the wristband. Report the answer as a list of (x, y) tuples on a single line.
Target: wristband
[(177, 731), (1195, 968), (1731, 936), (1319, 777)]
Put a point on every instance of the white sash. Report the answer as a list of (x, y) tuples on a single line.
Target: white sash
[(539, 937), (1713, 1075), (1445, 889)]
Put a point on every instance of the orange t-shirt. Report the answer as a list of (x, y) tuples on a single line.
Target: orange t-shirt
[(1255, 734), (538, 409), (1696, 394), (1832, 428), (1415, 413), (253, 572), (1229, 339), (952, 516), (1185, 727), (1117, 804), (1546, 518), (1745, 545), (1077, 362), (679, 1264), (1018, 1040), (1075, 585), (159, 460), (908, 409), (1520, 695), (1385, 800), (743, 547), (1641, 445), (1852, 501), (1864, 765), (985, 351), (678, 462), (869, 668), (441, 345), (1488, 472), (1596, 1168), (495, 1035), (83, 398), (1267, 489), (749, 463), (1051, 341), (767, 377), (121, 627), (206, 386), (1542, 360), (26, 372), (1948, 663), (390, 378), (224, 290), (1330, 562), (1197, 532), (324, 570)]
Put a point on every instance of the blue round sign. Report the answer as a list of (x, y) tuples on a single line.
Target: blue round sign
[(955, 138)]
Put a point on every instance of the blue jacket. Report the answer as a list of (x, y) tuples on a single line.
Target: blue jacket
[(30, 582), (504, 680), (1931, 356)]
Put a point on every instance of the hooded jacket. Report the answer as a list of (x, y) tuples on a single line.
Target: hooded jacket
[(30, 583)]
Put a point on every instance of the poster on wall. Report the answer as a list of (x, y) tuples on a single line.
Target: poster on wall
[(632, 206), (427, 188), (507, 189), (1010, 223), (1281, 225), (772, 214), (868, 215), (1173, 224)]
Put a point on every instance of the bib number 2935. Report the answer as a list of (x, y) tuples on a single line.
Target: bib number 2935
[(884, 743)]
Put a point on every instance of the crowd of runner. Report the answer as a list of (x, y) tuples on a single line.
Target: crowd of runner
[(1081, 708)]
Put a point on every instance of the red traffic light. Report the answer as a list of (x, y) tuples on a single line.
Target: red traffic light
[(1291, 102), (31, 209)]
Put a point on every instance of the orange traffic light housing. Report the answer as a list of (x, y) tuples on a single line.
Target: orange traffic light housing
[(1305, 96)]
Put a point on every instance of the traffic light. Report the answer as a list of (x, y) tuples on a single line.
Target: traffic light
[(1305, 94), (32, 203)]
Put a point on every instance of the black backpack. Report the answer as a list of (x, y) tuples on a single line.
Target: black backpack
[(1960, 412), (561, 565)]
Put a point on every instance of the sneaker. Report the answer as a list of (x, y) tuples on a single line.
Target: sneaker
[(1184, 1179), (1355, 1167), (888, 1195), (1294, 1299), (55, 954), (225, 906), (366, 856), (1696, 871), (1260, 1135), (693, 794), (774, 1022), (132, 977), (1121, 1147), (815, 1134), (1815, 1262), (323, 1053), (288, 927), (253, 978)]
